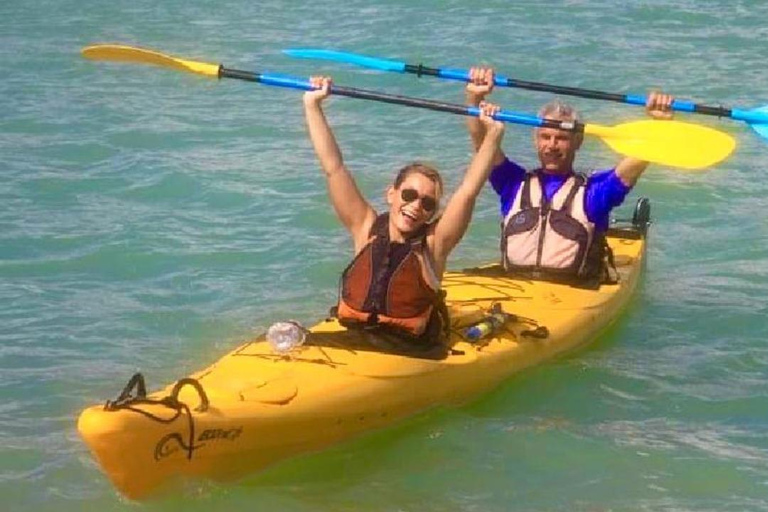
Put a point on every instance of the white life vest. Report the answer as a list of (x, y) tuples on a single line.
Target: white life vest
[(543, 238)]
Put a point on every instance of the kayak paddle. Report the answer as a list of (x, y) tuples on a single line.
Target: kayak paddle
[(671, 143), (756, 118)]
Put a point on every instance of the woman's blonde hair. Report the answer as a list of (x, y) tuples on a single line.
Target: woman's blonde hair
[(425, 170)]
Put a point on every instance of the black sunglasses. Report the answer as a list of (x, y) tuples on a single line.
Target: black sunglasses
[(409, 195)]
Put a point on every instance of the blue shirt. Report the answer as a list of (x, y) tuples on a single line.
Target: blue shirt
[(604, 190)]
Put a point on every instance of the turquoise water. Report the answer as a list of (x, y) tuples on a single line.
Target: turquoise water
[(152, 220)]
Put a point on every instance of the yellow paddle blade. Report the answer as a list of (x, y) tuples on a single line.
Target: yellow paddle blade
[(672, 143), (120, 53)]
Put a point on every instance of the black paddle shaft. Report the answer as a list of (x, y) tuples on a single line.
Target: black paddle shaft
[(420, 69), (364, 94)]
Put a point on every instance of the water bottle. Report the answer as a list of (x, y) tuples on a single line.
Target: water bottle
[(486, 327), (285, 336)]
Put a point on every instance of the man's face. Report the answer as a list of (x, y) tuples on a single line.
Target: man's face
[(556, 149)]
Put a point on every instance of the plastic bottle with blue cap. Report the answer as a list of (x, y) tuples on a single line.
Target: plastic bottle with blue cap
[(488, 325)]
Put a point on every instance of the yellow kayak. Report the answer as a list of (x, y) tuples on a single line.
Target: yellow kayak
[(255, 407)]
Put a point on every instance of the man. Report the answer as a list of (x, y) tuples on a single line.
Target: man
[(393, 282), (555, 219)]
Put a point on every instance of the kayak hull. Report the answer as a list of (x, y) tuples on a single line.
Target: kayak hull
[(256, 408)]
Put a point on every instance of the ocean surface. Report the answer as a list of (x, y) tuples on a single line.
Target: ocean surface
[(152, 220)]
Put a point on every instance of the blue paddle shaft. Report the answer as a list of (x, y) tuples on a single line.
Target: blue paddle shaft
[(510, 117), (280, 80), (755, 117)]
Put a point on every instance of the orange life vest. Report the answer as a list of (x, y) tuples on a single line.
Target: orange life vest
[(390, 284)]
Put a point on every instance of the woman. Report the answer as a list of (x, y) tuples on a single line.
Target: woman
[(393, 281)]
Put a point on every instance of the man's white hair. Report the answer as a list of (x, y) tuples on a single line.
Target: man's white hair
[(559, 110)]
